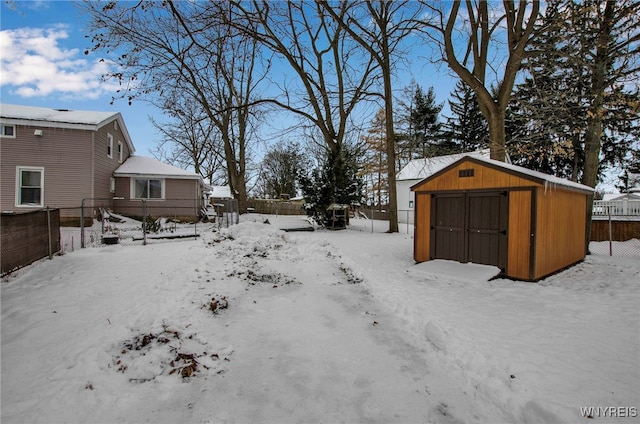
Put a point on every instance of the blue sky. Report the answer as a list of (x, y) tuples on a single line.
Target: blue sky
[(42, 45)]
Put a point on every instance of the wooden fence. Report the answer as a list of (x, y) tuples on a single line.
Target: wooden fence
[(621, 230), (27, 237), (275, 207)]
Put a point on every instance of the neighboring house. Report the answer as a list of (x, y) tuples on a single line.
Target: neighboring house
[(70, 158), (162, 189), (417, 170), (618, 205), (57, 157)]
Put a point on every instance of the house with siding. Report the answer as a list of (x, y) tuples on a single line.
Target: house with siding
[(146, 186), (67, 159)]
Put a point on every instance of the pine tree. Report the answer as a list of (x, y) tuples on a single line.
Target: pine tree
[(467, 128), (335, 181), (425, 127), (566, 97)]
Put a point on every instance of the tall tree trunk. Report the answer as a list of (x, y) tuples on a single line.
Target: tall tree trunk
[(391, 145), (497, 140), (595, 113)]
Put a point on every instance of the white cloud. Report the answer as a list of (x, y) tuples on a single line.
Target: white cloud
[(34, 62)]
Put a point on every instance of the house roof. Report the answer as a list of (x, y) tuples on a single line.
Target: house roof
[(220, 192), (419, 169), (535, 176), (620, 196), (136, 166), (62, 118)]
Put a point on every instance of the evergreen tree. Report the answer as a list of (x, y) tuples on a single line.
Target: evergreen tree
[(425, 126), (467, 128), (335, 181), (566, 98)]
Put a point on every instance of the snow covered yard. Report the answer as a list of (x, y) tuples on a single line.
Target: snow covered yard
[(320, 327)]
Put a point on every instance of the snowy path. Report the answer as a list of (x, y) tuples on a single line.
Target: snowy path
[(538, 351)]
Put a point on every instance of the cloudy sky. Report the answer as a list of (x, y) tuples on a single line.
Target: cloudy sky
[(42, 63)]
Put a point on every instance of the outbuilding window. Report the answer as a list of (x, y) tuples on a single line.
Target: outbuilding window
[(147, 188), (30, 186)]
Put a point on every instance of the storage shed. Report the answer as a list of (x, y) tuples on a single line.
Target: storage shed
[(479, 210)]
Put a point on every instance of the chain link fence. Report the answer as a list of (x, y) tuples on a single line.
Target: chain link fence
[(145, 222), (615, 228)]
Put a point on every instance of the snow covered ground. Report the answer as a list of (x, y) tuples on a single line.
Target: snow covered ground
[(253, 324)]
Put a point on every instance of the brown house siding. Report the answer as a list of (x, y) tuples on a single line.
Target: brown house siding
[(64, 154), (182, 200), (104, 165)]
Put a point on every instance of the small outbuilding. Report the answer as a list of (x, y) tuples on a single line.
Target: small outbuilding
[(479, 210)]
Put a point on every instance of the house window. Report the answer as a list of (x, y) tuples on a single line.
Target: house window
[(112, 185), (120, 151), (30, 186), (109, 145), (8, 131), (144, 188)]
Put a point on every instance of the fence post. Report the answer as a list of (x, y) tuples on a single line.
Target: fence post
[(610, 232), (82, 224), (144, 222), (49, 231)]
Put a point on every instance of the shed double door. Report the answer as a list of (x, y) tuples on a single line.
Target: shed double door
[(470, 227)]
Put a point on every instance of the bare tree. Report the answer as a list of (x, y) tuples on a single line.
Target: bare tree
[(163, 48), (331, 78), (189, 138), (279, 170), (488, 33), (380, 27)]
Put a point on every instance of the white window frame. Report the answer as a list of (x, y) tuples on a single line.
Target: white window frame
[(120, 151), (133, 188), (112, 184), (19, 170), (109, 145), (3, 133)]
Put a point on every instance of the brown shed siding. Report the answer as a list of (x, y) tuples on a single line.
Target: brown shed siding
[(520, 234), (546, 224), (483, 178), (422, 227), (561, 225), (65, 155)]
